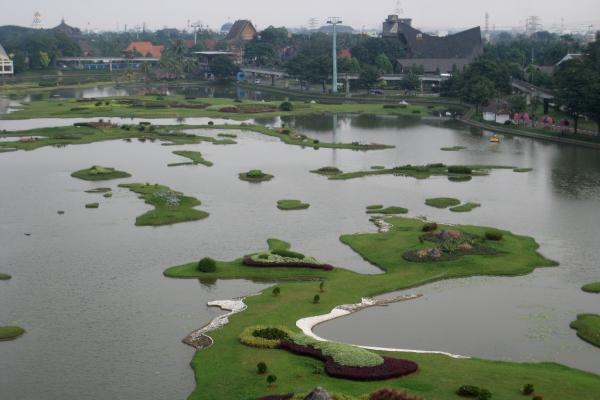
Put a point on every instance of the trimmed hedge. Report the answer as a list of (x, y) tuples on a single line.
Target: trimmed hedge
[(493, 235), (288, 253), (254, 263), (249, 338)]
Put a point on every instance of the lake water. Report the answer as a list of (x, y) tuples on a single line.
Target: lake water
[(103, 323)]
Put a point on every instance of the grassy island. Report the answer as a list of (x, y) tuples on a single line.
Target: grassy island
[(466, 207), (453, 148), (522, 170), (289, 204), (195, 157), (255, 176), (98, 173), (454, 172), (327, 171), (438, 377), (592, 287), (442, 202), (92, 205), (10, 332), (170, 207), (588, 328), (380, 209), (5, 277)]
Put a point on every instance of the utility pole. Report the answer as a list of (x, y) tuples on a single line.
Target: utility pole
[(334, 21), (196, 25)]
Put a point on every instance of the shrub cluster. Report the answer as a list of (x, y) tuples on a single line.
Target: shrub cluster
[(528, 389), (342, 354), (493, 235), (387, 369), (248, 261), (278, 397), (249, 338), (288, 253), (207, 264), (474, 392), (391, 394)]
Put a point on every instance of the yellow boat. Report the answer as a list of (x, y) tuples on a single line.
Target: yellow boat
[(495, 139)]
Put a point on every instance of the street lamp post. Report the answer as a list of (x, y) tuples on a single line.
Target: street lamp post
[(334, 21)]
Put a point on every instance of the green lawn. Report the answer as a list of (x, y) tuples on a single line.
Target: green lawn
[(98, 173), (588, 328), (170, 207), (442, 202), (439, 376), (10, 332), (592, 287)]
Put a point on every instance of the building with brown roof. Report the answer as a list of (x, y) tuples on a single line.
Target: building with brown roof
[(146, 49), (242, 30), (6, 64), (433, 53)]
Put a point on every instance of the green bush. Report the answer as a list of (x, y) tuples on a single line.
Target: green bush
[(247, 336), (460, 169), (286, 106), (271, 379), (430, 227), (276, 291), (263, 256), (207, 264), (484, 394), (468, 391), (493, 235), (270, 333), (538, 397), (288, 254), (255, 173), (528, 389), (316, 299), (261, 368)]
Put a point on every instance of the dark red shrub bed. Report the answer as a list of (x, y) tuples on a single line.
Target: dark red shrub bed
[(391, 367), (252, 263), (278, 397)]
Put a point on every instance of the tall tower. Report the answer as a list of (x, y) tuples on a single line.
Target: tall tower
[(532, 25), (37, 21), (487, 34), (313, 24)]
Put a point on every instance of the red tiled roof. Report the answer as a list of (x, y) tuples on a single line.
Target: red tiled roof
[(345, 54), (145, 48)]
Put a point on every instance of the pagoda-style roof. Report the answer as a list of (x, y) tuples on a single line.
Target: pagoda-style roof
[(242, 29), (68, 30), (3, 55)]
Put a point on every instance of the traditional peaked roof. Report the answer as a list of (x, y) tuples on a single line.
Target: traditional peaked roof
[(145, 48), (241, 29), (68, 30), (3, 55)]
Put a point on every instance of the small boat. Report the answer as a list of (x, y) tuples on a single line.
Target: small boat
[(495, 139)]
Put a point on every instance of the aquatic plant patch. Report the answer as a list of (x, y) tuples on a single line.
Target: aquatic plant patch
[(10, 332), (327, 171), (453, 148), (255, 176), (289, 204), (442, 202), (592, 287), (394, 210), (466, 207), (195, 157), (588, 328), (4, 277), (98, 173)]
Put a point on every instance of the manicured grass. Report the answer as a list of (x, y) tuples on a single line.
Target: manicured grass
[(442, 202), (4, 277), (522, 169), (195, 156), (10, 332), (178, 106), (98, 173), (255, 176), (170, 207), (288, 204), (438, 376), (588, 328), (592, 287), (453, 148), (466, 207), (387, 210)]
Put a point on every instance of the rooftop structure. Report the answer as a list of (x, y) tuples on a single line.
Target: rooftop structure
[(434, 54), (242, 30), (68, 30), (6, 64), (146, 49)]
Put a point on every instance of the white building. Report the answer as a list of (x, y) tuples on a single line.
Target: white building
[(6, 64)]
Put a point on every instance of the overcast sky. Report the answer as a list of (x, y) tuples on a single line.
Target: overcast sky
[(110, 14)]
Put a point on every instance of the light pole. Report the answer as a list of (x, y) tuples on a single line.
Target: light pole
[(334, 21)]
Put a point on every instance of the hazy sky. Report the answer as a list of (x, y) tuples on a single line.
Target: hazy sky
[(110, 14)]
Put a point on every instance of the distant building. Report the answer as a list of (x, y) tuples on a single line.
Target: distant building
[(6, 64), (68, 30), (146, 49), (498, 113), (241, 30), (434, 54), (226, 28)]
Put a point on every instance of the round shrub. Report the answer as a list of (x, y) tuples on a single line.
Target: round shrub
[(276, 291), (316, 299), (468, 391), (207, 264), (248, 337), (484, 394), (255, 173), (430, 227), (391, 394), (271, 379), (538, 397), (493, 235), (261, 368), (528, 389), (286, 106)]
